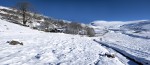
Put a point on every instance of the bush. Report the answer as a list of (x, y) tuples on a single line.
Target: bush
[(73, 28), (90, 31)]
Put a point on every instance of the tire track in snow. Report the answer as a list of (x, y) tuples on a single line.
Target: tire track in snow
[(118, 50), (135, 36)]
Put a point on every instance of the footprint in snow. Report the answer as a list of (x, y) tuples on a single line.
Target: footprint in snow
[(54, 51), (38, 56)]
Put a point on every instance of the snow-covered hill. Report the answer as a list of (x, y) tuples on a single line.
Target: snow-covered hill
[(44, 23), (107, 24), (143, 25), (101, 27), (117, 43), (139, 29), (40, 48), (130, 38)]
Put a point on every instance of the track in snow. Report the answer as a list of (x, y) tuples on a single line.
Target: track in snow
[(135, 36), (131, 59)]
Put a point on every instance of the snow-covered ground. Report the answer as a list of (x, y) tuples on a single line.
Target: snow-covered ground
[(41, 48), (126, 41), (101, 27)]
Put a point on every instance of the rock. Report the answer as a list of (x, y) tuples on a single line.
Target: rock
[(109, 55), (13, 42)]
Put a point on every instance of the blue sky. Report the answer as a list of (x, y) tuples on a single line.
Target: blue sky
[(86, 11)]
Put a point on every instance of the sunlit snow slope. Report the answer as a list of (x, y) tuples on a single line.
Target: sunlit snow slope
[(131, 38), (40, 48)]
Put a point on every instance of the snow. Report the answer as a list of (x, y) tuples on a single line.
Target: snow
[(2, 7), (101, 27), (107, 24), (41, 48), (3, 12), (124, 40)]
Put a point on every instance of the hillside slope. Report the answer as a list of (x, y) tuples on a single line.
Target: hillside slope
[(130, 38), (40, 48), (44, 23)]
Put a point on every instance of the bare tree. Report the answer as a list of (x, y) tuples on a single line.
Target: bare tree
[(24, 7)]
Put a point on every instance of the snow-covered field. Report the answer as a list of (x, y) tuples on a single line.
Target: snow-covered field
[(133, 45), (129, 41), (41, 48)]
